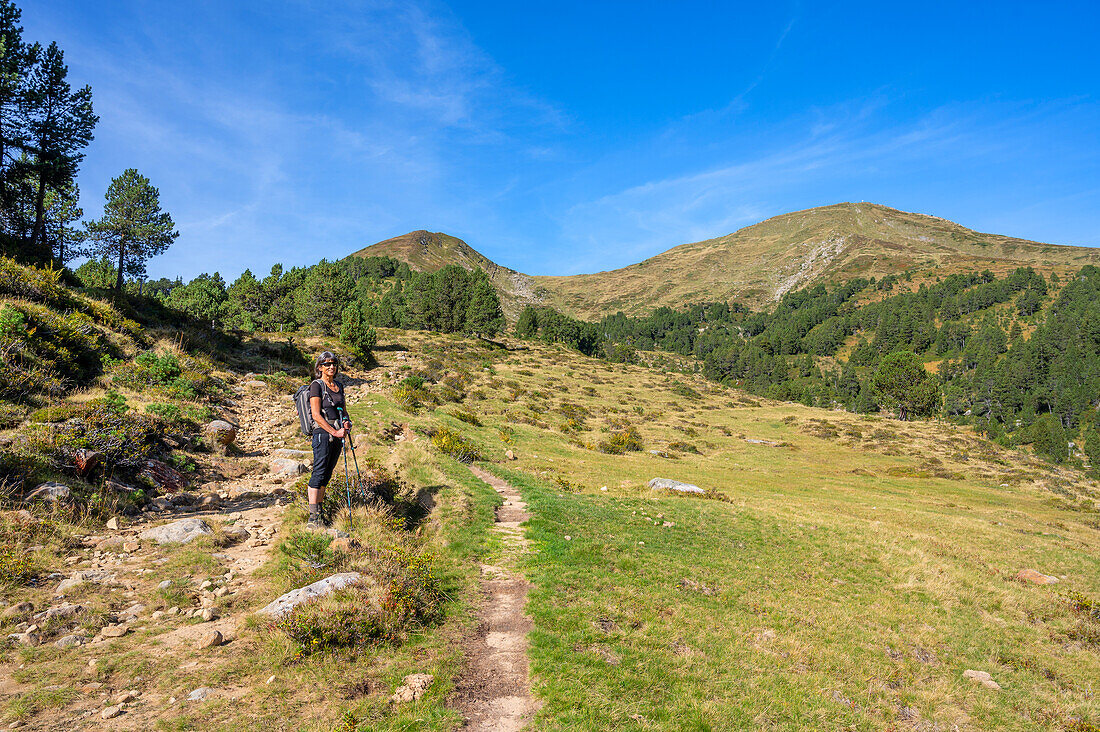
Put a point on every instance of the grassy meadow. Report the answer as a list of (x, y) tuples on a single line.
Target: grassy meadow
[(845, 572)]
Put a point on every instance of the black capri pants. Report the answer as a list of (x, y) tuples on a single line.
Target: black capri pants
[(326, 452)]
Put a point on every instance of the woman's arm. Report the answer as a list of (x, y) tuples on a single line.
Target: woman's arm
[(315, 409)]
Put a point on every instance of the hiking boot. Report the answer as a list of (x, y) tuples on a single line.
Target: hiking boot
[(315, 522)]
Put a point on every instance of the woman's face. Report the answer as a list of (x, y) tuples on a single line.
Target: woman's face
[(327, 368)]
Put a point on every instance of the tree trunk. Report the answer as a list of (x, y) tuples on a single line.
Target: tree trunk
[(38, 233), (121, 254)]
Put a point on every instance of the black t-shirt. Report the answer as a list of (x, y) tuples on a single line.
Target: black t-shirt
[(328, 406)]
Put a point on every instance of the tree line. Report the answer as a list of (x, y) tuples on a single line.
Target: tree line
[(45, 125)]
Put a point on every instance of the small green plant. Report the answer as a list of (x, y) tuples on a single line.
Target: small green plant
[(451, 443), (621, 441), (468, 417)]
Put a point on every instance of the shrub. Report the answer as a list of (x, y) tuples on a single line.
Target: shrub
[(623, 440), (180, 415), (451, 443), (11, 415), (410, 397), (180, 377), (468, 417), (403, 593), (124, 441), (354, 330)]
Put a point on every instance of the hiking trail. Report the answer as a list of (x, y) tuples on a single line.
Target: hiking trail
[(494, 692)]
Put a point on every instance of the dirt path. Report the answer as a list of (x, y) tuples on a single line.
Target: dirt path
[(494, 692)]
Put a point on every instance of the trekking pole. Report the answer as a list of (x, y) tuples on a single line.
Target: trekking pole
[(353, 457), (344, 442)]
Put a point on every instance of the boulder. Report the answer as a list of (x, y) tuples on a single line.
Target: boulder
[(178, 532), (114, 523), (666, 484), (304, 456), (70, 641), (509, 454), (220, 434), (412, 688), (1035, 578), (236, 534), (286, 466), (50, 492), (111, 712), (115, 631), (62, 612), (182, 499), (166, 478), (96, 577), (320, 588), (200, 694)]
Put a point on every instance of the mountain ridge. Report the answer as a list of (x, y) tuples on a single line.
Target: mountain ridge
[(756, 264)]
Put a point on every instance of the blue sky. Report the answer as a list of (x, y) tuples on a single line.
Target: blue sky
[(566, 137)]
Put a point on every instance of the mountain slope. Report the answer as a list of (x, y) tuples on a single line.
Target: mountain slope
[(756, 264)]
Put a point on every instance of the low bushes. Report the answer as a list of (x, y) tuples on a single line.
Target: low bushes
[(179, 377), (622, 440), (451, 443)]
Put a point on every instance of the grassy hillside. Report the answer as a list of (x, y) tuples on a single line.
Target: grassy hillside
[(841, 571), (757, 264), (846, 573)]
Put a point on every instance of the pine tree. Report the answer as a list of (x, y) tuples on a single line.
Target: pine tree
[(902, 384), (484, 315), (133, 228)]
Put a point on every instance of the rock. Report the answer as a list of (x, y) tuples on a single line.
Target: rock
[(208, 614), (328, 585), (235, 534), (164, 585), (220, 434), (981, 677), (159, 504), (1035, 578), (114, 523), (285, 466), (665, 484), (111, 712), (210, 500), (28, 638), (412, 688), (62, 612), (255, 383), (178, 532), (209, 639), (115, 631), (509, 454), (132, 612), (19, 608), (200, 694), (166, 478), (248, 496), (304, 456), (131, 546), (86, 461), (660, 454), (70, 641), (124, 697), (50, 492), (96, 577), (121, 488), (182, 499)]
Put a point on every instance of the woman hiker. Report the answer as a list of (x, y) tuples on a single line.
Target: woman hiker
[(326, 402)]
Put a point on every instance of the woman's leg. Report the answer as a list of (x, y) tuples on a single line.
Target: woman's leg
[(317, 480)]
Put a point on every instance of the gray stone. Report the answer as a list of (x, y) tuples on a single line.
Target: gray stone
[(116, 487), (132, 612), (111, 712), (320, 588), (164, 585), (29, 638), (304, 456), (70, 641), (235, 534), (208, 614), (200, 694), (50, 492), (114, 631), (178, 532), (96, 577), (114, 523), (666, 484), (160, 503), (285, 466), (62, 611)]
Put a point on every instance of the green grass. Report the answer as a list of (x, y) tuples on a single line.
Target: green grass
[(802, 626)]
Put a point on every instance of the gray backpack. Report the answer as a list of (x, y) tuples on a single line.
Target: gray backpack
[(305, 414)]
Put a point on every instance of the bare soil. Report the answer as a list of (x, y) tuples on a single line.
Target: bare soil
[(494, 692)]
